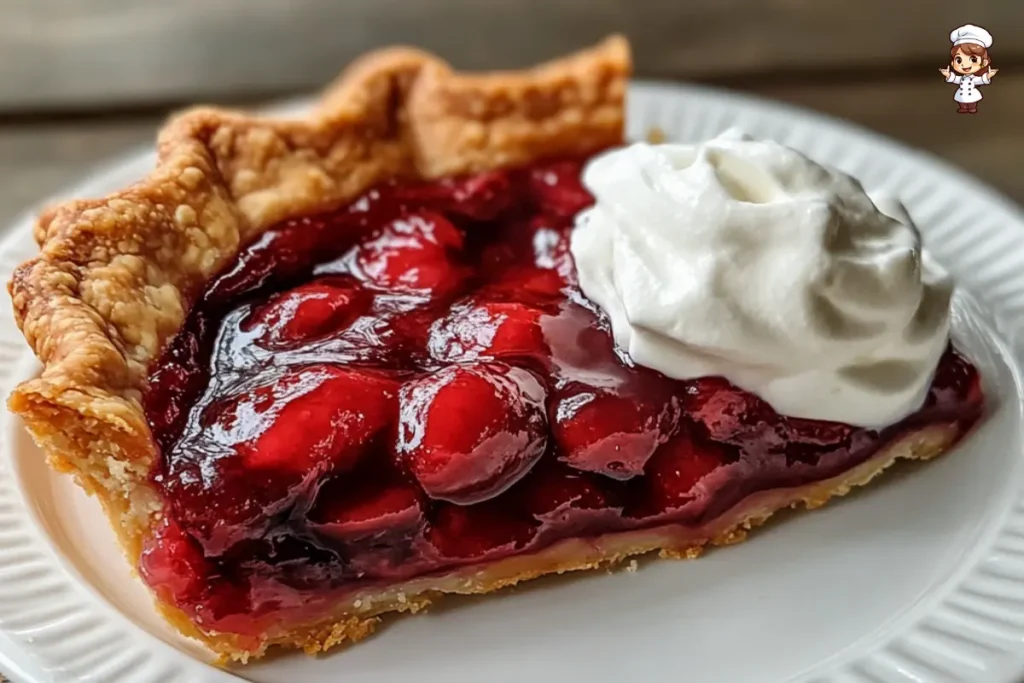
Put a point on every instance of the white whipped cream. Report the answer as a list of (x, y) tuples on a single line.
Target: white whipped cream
[(746, 259)]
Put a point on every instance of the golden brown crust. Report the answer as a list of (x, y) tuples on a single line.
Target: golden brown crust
[(115, 276)]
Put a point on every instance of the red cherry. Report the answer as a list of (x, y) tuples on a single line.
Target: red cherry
[(955, 380), (172, 563), (488, 330), (319, 417), (540, 241), (528, 285), (480, 530), (556, 188), (309, 311), (532, 264), (356, 510), (168, 383), (218, 501), (467, 433), (280, 252), (480, 197), (393, 334), (252, 455), (674, 471), (413, 253), (613, 427), (726, 412), (553, 488)]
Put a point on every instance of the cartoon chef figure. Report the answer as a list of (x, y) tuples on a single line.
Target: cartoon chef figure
[(969, 66)]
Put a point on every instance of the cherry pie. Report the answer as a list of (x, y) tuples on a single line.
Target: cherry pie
[(325, 369)]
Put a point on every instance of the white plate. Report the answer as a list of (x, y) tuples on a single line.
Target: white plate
[(918, 578)]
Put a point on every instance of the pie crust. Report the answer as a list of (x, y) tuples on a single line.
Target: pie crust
[(116, 276)]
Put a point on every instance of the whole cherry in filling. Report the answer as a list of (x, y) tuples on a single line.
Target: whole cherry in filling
[(414, 382), (468, 432), (414, 252)]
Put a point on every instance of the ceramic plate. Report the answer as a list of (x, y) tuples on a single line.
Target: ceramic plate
[(920, 577)]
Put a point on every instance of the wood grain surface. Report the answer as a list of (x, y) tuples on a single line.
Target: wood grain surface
[(39, 157), (85, 53)]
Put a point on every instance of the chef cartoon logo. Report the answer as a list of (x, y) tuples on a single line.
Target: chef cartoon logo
[(970, 66)]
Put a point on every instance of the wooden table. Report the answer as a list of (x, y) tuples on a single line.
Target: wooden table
[(41, 155)]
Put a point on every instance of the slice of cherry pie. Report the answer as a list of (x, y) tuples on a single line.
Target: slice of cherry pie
[(321, 370)]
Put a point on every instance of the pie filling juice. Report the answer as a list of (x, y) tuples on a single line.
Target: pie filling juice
[(415, 382)]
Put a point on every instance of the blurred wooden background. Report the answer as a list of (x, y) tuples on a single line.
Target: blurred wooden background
[(81, 80), (97, 53)]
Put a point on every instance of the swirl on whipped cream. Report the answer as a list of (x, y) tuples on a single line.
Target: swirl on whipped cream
[(745, 259)]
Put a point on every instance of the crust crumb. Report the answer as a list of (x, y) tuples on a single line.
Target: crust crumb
[(691, 553), (656, 136)]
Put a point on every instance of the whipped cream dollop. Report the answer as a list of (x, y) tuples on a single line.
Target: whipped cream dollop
[(745, 259)]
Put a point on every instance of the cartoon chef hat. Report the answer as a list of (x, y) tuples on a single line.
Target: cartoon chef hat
[(969, 33)]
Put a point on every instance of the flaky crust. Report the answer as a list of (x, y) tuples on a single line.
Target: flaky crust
[(115, 277)]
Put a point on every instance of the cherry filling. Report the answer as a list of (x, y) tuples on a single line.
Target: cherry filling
[(414, 382)]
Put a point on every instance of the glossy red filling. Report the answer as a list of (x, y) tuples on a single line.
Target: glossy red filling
[(414, 383)]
